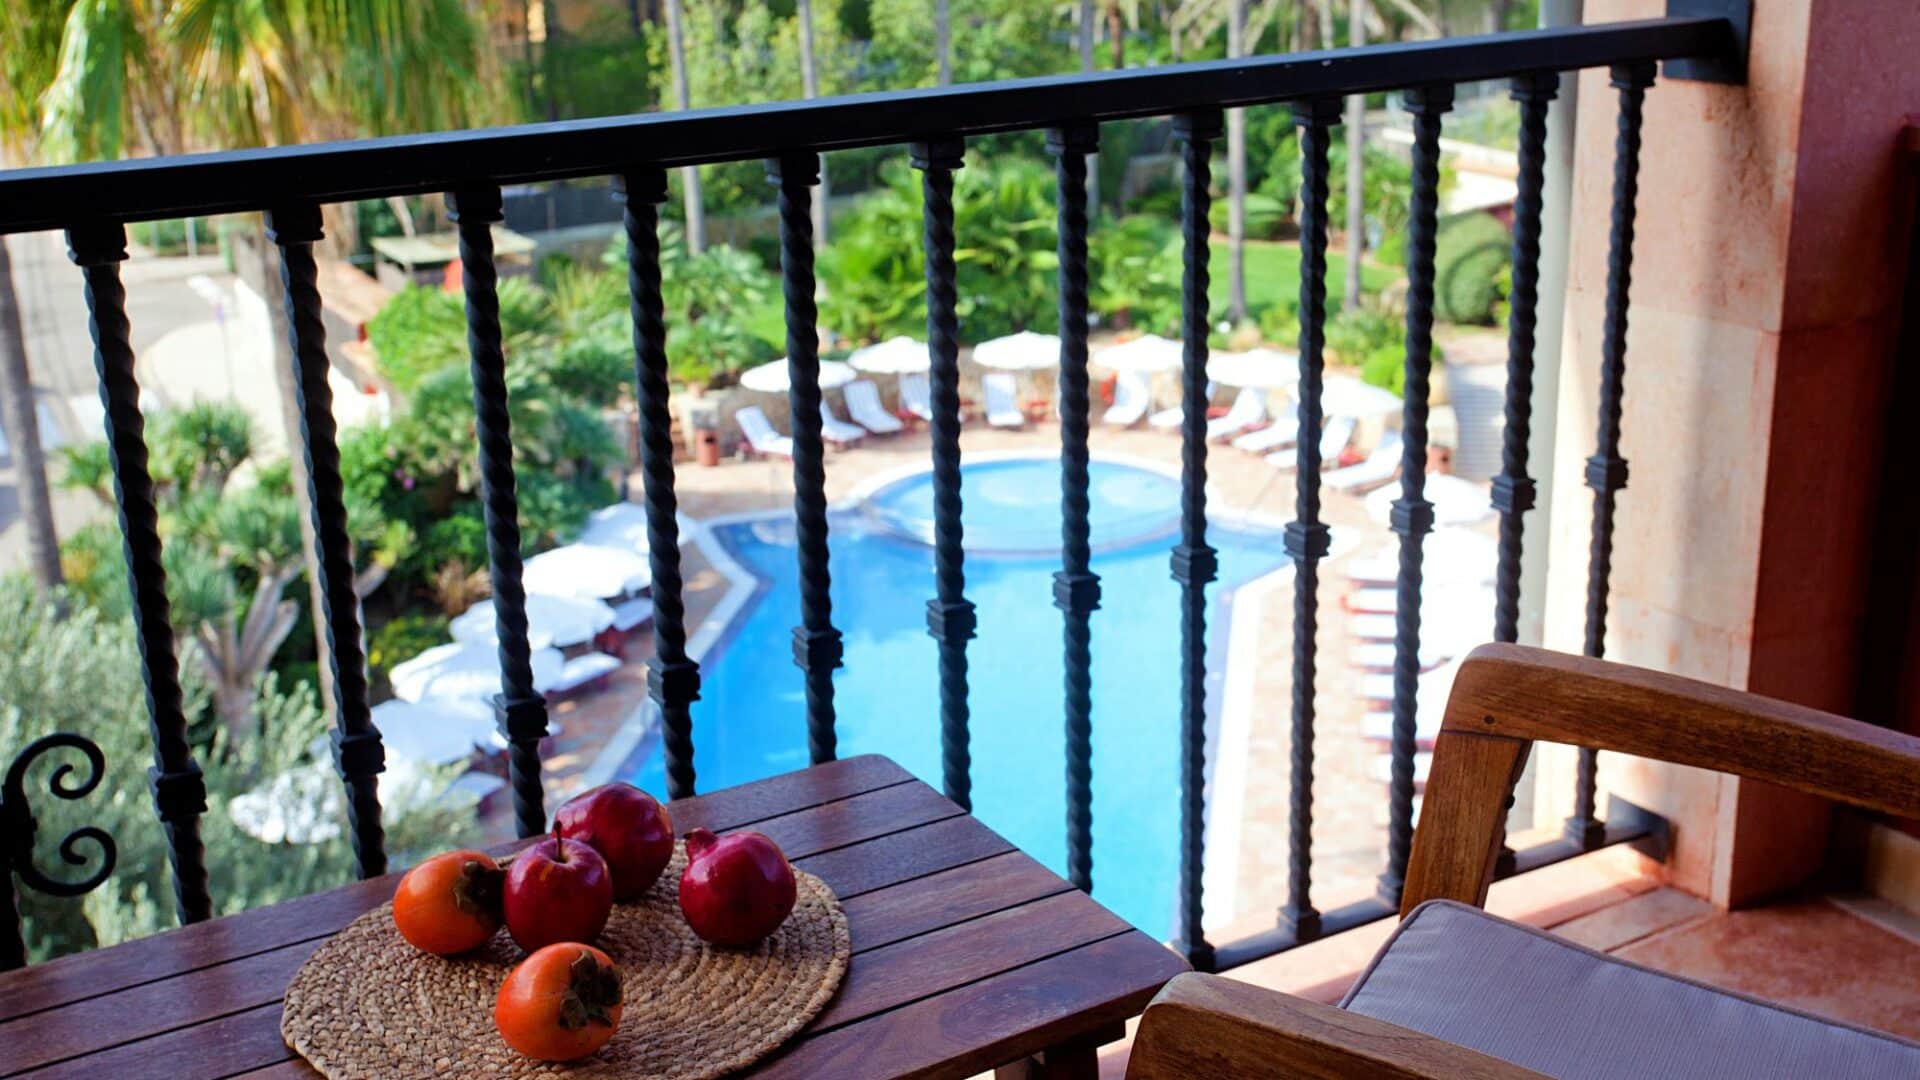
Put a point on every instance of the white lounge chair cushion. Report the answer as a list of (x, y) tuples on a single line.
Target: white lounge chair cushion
[(916, 395), (1543, 1003), (863, 405)]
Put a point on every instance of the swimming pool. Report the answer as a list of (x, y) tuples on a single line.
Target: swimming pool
[(750, 720)]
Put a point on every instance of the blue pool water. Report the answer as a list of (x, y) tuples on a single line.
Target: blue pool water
[(750, 720)]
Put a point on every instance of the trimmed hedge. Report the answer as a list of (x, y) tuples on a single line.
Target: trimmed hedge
[(1471, 253)]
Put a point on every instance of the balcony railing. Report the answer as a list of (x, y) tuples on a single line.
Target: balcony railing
[(93, 203)]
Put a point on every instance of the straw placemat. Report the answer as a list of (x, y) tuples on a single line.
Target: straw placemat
[(367, 1004)]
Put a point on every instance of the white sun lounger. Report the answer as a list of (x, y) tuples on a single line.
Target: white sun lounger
[(1248, 409), (1375, 599), (1003, 400), (1168, 419), (1378, 727), (759, 433), (838, 431), (863, 405), (1381, 466), (1282, 432), (916, 395), (1334, 436), (580, 672), (1132, 397)]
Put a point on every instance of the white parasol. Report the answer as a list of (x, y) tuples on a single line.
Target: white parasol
[(1455, 501), (559, 621), (1263, 369), (622, 525), (1024, 351), (771, 377), (1344, 395), (436, 731), (460, 670), (1143, 355), (894, 356), (587, 571)]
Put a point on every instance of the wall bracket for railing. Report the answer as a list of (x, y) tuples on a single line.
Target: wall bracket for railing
[(1729, 67)]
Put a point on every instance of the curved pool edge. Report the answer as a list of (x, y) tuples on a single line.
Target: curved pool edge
[(1233, 726)]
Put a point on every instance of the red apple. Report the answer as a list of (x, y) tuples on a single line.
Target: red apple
[(628, 828), (557, 890), (736, 889)]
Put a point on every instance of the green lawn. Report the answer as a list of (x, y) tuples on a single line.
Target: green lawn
[(1273, 269)]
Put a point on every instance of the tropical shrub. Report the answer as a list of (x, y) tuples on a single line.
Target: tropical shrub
[(1004, 255), (1135, 271), (1373, 341), (402, 638), (705, 298), (65, 666), (1470, 254)]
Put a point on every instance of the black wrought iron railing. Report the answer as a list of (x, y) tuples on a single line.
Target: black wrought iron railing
[(93, 204)]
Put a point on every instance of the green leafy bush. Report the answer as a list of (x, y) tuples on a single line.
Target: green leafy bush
[(1279, 321), (1374, 342), (1135, 267), (1004, 258), (65, 666), (1471, 253), (404, 637)]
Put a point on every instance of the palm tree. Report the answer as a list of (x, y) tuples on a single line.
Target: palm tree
[(1356, 165), (155, 77), (943, 39), (689, 175), (29, 37), (1236, 175), (810, 86), (17, 416)]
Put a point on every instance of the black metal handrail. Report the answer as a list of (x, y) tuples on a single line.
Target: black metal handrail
[(93, 203), (200, 184)]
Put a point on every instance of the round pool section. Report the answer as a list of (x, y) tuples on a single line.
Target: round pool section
[(1012, 507), (750, 719)]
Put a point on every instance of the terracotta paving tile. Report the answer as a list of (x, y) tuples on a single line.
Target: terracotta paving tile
[(1631, 920), (1808, 954)]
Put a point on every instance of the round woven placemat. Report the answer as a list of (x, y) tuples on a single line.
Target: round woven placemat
[(367, 1004)]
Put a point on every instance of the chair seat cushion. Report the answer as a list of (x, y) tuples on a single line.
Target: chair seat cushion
[(1522, 995)]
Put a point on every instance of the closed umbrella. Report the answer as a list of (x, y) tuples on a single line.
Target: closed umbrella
[(895, 356), (1143, 355), (460, 670), (1261, 369), (772, 377), (559, 621), (587, 571), (1024, 351)]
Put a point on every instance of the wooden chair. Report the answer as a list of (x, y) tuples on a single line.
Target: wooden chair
[(1504, 699)]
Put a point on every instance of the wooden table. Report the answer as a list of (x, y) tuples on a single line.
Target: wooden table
[(968, 955)]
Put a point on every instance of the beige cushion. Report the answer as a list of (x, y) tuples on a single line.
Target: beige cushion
[(1525, 996)]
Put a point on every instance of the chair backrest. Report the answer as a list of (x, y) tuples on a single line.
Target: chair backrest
[(1000, 389), (1335, 436), (863, 396), (1249, 405), (915, 392), (754, 424), (1131, 389)]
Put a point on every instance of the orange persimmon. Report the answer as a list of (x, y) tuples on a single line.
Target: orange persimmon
[(561, 1003), (449, 903)]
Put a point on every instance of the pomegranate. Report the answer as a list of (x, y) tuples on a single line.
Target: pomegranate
[(736, 889)]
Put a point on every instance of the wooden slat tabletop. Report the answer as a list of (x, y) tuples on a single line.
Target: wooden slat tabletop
[(968, 954)]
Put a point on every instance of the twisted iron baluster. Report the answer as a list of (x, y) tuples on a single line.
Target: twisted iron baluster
[(1412, 514), (1076, 588), (950, 615), (179, 792), (357, 752), (1307, 538), (673, 679), (1606, 469), (519, 708), (1513, 489), (18, 827), (816, 644), (1193, 562)]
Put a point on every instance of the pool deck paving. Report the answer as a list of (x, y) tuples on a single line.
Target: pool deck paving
[(1349, 827)]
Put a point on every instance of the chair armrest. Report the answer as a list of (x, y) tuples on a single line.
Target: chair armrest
[(1507, 696), (1205, 1025)]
